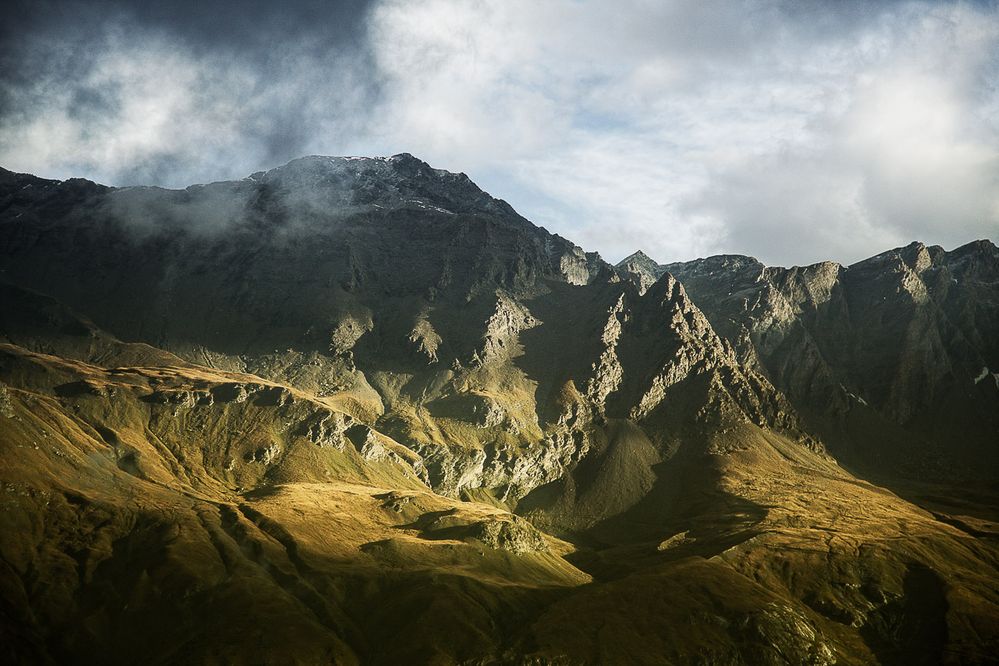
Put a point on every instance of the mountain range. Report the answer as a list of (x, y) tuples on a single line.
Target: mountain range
[(356, 410)]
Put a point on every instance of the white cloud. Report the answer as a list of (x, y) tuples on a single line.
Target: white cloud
[(143, 108), (691, 128)]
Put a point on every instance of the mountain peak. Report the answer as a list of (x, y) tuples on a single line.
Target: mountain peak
[(981, 246), (640, 269), (637, 257), (387, 183)]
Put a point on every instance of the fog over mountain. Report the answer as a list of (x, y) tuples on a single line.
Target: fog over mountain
[(795, 132)]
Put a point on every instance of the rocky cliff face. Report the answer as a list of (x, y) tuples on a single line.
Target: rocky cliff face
[(358, 410), (899, 345), (641, 270)]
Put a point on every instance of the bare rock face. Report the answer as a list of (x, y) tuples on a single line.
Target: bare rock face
[(425, 338), (516, 536), (347, 332), (641, 270), (503, 328), (607, 371), (328, 428), (892, 344)]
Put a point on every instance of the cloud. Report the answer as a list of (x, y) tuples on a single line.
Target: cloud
[(128, 102), (908, 149), (794, 131)]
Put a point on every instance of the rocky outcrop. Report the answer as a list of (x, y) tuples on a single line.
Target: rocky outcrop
[(425, 338), (503, 329), (641, 270), (607, 371), (516, 536)]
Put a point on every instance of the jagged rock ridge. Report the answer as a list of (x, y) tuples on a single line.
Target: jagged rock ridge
[(891, 345)]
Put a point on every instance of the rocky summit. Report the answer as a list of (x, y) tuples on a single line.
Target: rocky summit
[(358, 411)]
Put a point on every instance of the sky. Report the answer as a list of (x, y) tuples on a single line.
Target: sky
[(793, 131)]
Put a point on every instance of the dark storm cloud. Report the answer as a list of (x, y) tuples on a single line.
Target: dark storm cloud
[(239, 85), (253, 27)]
